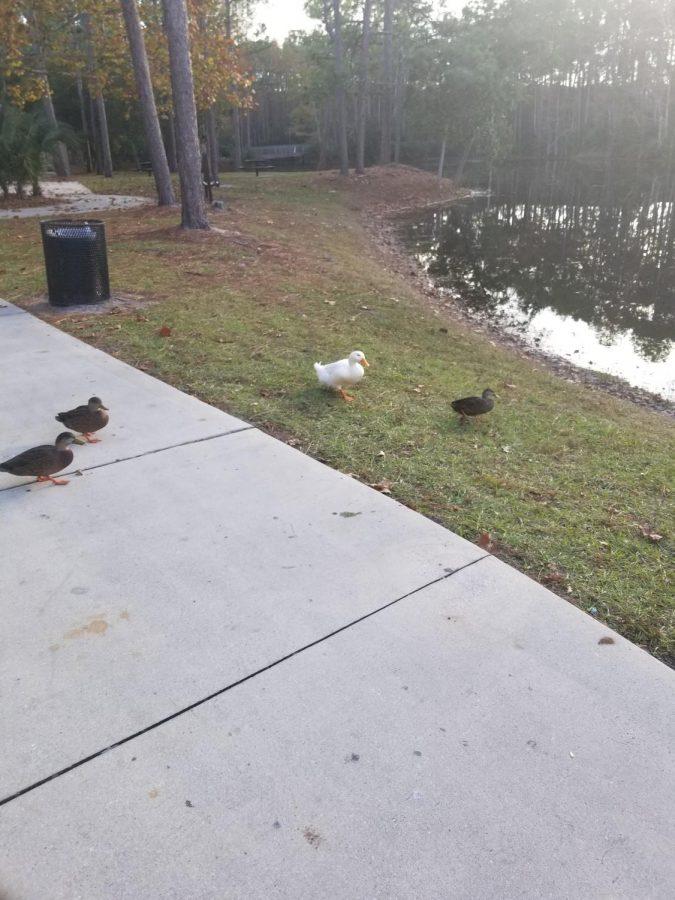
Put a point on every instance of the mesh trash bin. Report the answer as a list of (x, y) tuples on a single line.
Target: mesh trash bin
[(76, 262)]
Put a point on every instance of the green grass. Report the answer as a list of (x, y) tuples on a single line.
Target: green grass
[(561, 477)]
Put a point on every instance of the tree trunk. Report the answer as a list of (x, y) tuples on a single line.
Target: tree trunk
[(171, 152), (153, 132), (60, 155), (213, 143), (441, 158), (101, 119), (362, 106), (388, 79), (96, 143), (247, 132), (104, 136), (235, 116), (193, 208), (85, 124), (399, 97), (321, 131), (334, 30), (459, 172)]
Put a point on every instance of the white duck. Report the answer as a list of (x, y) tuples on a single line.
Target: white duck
[(343, 373)]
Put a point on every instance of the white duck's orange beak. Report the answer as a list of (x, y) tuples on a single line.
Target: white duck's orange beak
[(364, 362)]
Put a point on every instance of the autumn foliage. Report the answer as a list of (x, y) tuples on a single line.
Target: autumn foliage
[(86, 39)]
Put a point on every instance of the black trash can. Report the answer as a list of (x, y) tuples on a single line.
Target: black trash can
[(76, 261)]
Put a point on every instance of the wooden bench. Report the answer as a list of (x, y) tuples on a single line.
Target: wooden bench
[(258, 166)]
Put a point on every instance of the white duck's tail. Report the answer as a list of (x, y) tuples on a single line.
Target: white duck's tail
[(320, 370)]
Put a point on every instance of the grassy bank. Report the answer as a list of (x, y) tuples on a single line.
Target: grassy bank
[(569, 483)]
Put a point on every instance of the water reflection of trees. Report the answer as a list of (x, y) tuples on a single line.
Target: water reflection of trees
[(599, 252)]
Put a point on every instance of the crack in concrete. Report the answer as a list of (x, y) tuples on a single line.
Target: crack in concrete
[(234, 684), (113, 462)]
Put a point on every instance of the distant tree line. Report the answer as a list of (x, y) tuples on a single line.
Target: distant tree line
[(520, 79), (162, 81)]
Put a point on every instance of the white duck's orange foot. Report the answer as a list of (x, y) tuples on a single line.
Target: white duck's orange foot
[(345, 395)]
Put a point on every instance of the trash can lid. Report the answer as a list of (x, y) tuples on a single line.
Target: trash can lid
[(70, 228)]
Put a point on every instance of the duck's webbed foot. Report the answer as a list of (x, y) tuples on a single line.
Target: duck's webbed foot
[(345, 395), (89, 439), (58, 481)]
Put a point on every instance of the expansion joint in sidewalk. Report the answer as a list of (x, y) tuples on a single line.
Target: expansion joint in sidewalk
[(234, 684)]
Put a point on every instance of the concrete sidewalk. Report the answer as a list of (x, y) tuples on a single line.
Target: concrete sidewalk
[(229, 671)]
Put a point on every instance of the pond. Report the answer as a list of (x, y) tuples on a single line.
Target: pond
[(578, 262)]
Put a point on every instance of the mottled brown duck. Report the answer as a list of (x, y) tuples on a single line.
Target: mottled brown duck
[(474, 406), (44, 461), (86, 419)]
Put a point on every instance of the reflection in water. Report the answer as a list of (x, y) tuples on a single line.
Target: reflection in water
[(580, 267)]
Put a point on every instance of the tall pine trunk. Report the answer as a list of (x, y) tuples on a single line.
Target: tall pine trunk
[(60, 154), (334, 29), (104, 155), (212, 140), (104, 134), (235, 116), (388, 82), (362, 107), (85, 124), (193, 208), (441, 158), (153, 132), (171, 153), (238, 159)]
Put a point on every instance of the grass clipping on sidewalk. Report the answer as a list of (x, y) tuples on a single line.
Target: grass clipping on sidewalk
[(569, 485)]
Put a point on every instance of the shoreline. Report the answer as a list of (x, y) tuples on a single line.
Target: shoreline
[(384, 229)]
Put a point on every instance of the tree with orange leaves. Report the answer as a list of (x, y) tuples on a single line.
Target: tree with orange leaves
[(31, 30)]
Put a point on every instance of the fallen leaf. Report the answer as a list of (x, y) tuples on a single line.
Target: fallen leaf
[(506, 449), (648, 533), (384, 486), (164, 331), (484, 541), (553, 578), (507, 385), (606, 640)]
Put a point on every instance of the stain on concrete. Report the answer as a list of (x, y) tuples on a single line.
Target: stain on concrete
[(312, 836), (79, 590), (606, 640), (96, 625), (153, 793), (124, 614)]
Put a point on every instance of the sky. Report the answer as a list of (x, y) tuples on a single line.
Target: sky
[(282, 16)]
